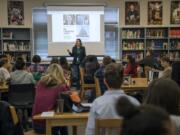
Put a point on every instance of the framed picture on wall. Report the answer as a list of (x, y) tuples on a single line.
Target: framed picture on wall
[(175, 12), (132, 13), (15, 12), (155, 13)]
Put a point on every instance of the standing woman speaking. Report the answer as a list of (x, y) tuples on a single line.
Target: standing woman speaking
[(78, 53)]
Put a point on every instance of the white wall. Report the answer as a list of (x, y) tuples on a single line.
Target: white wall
[(29, 4)]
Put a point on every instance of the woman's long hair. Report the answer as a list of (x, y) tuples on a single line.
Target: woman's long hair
[(54, 76)]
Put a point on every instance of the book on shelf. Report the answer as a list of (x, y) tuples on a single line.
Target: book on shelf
[(7, 35), (133, 45), (174, 33), (131, 34), (155, 33), (14, 46)]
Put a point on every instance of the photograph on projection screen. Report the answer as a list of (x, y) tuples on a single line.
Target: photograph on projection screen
[(82, 26)]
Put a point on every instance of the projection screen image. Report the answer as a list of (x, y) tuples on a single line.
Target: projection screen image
[(66, 24)]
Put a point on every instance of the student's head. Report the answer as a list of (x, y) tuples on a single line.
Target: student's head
[(113, 76), (36, 59), (78, 42), (20, 63), (130, 59), (165, 62), (55, 75), (144, 120), (164, 93), (107, 60), (4, 63), (63, 62), (54, 60)]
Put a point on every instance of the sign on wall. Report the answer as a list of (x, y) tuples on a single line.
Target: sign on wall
[(15, 12), (155, 13)]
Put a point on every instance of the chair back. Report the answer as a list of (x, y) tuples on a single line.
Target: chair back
[(14, 115), (21, 94), (98, 88), (108, 126), (82, 73)]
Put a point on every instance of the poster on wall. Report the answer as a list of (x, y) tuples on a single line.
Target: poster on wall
[(155, 15), (175, 12), (132, 13), (15, 12)]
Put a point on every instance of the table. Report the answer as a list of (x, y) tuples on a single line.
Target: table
[(140, 84), (3, 88), (65, 119)]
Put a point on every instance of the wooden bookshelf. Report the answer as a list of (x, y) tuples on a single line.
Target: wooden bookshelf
[(164, 41), (16, 42)]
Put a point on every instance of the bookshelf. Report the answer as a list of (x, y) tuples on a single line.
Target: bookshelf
[(133, 43), (174, 42), (16, 42), (164, 41)]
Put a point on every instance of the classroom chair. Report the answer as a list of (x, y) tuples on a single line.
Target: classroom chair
[(84, 86), (108, 126), (98, 88), (21, 96)]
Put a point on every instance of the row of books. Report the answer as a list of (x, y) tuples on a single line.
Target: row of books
[(156, 33), (132, 34), (174, 33), (133, 45), (14, 46), (26, 57), (157, 45), (138, 56)]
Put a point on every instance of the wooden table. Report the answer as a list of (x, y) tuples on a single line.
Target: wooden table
[(3, 88), (140, 84), (65, 119)]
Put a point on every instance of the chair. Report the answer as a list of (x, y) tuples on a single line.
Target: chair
[(98, 88), (108, 126), (84, 86), (21, 96), (10, 120)]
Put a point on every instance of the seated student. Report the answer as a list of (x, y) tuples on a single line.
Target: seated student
[(7, 127), (104, 106), (90, 63), (144, 120), (100, 73), (65, 66), (47, 92), (165, 93), (36, 69), (150, 60), (54, 60), (166, 64), (131, 67), (4, 73), (20, 75)]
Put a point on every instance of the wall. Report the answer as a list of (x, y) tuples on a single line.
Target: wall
[(29, 4)]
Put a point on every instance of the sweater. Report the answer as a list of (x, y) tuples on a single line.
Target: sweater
[(45, 99)]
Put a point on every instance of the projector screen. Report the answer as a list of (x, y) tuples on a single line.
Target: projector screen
[(68, 23)]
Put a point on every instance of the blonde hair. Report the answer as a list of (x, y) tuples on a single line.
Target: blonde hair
[(54, 76)]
